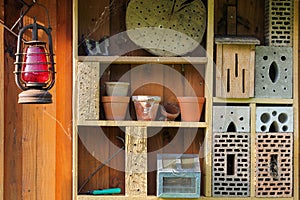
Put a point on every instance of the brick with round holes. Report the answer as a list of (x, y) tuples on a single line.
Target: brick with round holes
[(274, 119)]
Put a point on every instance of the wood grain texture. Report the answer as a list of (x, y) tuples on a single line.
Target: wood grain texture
[(247, 23), (12, 112), (94, 19), (39, 125), (2, 114), (63, 167), (117, 164), (93, 150), (171, 90), (147, 80), (235, 66)]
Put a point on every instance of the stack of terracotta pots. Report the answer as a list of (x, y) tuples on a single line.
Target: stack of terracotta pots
[(116, 102)]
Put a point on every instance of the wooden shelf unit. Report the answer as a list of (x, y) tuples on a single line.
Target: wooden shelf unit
[(141, 128)]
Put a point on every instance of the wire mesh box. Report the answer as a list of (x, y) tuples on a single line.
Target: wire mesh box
[(178, 176), (279, 22), (231, 164), (274, 164)]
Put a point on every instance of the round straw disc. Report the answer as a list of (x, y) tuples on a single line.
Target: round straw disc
[(166, 27)]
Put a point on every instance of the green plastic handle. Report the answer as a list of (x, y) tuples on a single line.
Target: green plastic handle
[(106, 191)]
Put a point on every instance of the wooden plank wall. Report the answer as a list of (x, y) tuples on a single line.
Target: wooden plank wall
[(1, 100), (12, 113), (63, 172), (37, 160)]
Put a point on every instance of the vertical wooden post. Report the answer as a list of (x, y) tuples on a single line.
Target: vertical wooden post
[(2, 102), (136, 161), (13, 116), (252, 145), (63, 169), (38, 127), (296, 46), (208, 102)]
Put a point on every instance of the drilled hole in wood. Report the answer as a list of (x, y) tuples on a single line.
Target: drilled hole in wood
[(228, 80), (236, 65)]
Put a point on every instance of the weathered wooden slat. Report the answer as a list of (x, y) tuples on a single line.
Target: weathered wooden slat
[(147, 80), (13, 118), (296, 95), (2, 123), (29, 151), (63, 168), (142, 123), (143, 59), (235, 70)]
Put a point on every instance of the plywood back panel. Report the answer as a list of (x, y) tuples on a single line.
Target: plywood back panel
[(94, 19), (98, 146)]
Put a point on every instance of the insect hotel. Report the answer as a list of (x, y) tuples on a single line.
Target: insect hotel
[(149, 99)]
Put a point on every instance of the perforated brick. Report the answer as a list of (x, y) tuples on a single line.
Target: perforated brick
[(231, 119), (88, 90), (274, 119), (273, 72), (279, 22), (231, 164), (274, 169)]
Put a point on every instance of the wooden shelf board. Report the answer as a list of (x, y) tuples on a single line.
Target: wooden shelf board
[(253, 100), (142, 123), (143, 59), (89, 197)]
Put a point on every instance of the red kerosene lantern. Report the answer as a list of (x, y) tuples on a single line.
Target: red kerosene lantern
[(34, 68)]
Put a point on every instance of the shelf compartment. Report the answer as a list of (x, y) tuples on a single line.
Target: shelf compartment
[(148, 79), (100, 147), (174, 141), (142, 123), (143, 60)]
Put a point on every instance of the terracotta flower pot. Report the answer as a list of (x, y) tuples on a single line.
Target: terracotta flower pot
[(115, 107), (116, 88), (170, 111), (146, 107), (191, 108)]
